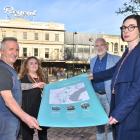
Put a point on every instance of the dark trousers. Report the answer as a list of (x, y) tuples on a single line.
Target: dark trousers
[(27, 133)]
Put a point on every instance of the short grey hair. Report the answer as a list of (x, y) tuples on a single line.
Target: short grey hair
[(5, 39), (101, 40)]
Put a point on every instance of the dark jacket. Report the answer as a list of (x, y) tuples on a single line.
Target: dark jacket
[(30, 98), (125, 104)]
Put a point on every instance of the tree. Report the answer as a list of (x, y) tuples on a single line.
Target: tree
[(133, 6)]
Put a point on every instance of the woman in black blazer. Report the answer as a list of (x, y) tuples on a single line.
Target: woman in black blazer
[(125, 101)]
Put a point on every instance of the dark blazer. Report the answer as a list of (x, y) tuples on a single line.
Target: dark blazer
[(125, 104)]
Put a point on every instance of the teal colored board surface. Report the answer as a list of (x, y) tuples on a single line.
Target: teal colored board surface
[(71, 103)]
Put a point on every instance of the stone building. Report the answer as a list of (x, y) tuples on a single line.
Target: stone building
[(44, 40)]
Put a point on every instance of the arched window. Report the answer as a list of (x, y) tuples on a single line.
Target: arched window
[(116, 48), (112, 46), (126, 47), (107, 43), (122, 48)]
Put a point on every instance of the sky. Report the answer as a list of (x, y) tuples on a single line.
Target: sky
[(89, 16)]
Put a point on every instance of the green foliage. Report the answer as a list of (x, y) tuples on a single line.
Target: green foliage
[(133, 7)]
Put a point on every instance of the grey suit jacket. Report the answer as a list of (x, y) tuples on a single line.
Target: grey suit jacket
[(111, 61)]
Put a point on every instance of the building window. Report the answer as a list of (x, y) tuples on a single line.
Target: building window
[(80, 50), (122, 48), (112, 46), (56, 37), (92, 50), (56, 54), (35, 51), (46, 36), (25, 35), (116, 48), (3, 34), (126, 47), (24, 52), (46, 53), (107, 43), (36, 36), (86, 50), (68, 53), (14, 34)]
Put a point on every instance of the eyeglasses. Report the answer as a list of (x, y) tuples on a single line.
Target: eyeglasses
[(130, 28)]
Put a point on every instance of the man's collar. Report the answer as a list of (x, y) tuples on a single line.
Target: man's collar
[(102, 57)]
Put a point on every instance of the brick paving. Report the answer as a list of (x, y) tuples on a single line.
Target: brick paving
[(70, 134)]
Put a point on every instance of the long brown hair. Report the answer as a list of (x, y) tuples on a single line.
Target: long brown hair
[(24, 70)]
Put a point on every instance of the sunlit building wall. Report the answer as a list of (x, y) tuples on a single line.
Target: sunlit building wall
[(81, 45), (44, 40), (49, 41)]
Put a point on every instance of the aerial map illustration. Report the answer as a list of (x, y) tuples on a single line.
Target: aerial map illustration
[(69, 94)]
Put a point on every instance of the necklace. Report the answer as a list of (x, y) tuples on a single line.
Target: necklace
[(35, 80)]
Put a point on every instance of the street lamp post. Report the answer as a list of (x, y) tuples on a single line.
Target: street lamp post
[(91, 41), (73, 68)]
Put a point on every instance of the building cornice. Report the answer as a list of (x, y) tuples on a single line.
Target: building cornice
[(32, 29), (34, 25)]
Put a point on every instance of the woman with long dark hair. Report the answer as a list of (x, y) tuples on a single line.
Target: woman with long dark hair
[(125, 102)]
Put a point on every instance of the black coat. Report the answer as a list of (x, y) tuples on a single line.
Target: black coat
[(31, 98)]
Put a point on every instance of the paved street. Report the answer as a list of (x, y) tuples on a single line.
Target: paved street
[(70, 134)]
